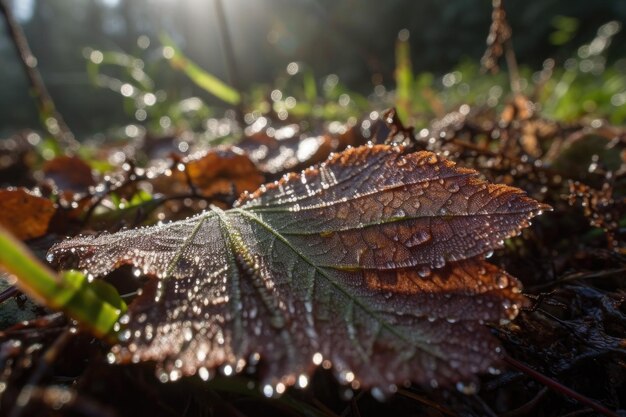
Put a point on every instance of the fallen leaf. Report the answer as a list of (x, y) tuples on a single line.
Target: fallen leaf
[(369, 262), (285, 149), (222, 171), (24, 214), (69, 173), (218, 171)]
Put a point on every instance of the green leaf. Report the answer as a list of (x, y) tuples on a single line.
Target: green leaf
[(200, 77)]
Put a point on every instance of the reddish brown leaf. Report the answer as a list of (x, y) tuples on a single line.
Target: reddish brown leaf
[(24, 214), (367, 262), (217, 171), (69, 173), (222, 171)]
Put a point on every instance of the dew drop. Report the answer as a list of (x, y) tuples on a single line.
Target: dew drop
[(502, 281), (346, 377), (204, 374), (452, 187), (467, 388), (254, 358), (303, 381), (280, 388), (50, 257), (136, 272), (124, 336), (513, 311), (423, 271), (175, 375), (494, 371), (318, 358), (418, 238), (439, 262), (268, 390), (489, 254), (378, 394), (111, 357)]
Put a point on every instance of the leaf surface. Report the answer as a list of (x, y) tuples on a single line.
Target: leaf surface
[(369, 262), (25, 214)]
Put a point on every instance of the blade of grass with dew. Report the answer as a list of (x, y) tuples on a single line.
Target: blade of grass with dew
[(310, 87), (200, 77), (404, 80), (96, 305)]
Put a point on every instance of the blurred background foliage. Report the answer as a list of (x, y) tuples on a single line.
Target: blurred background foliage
[(161, 63)]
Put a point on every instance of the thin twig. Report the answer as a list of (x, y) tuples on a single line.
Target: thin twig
[(426, 401), (578, 276), (527, 407), (558, 387), (51, 118), (511, 63), (9, 293), (49, 357)]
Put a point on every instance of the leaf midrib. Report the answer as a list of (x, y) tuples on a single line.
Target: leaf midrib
[(400, 219), (323, 273)]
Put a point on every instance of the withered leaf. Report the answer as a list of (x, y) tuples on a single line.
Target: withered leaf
[(285, 149), (69, 173), (217, 171), (369, 262), (25, 214)]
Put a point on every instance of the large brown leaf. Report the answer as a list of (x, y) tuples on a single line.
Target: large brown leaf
[(369, 262)]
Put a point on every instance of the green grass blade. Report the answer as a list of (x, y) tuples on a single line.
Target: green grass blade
[(310, 87), (97, 306), (200, 77), (404, 80)]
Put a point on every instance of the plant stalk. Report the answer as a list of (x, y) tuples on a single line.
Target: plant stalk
[(50, 117)]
